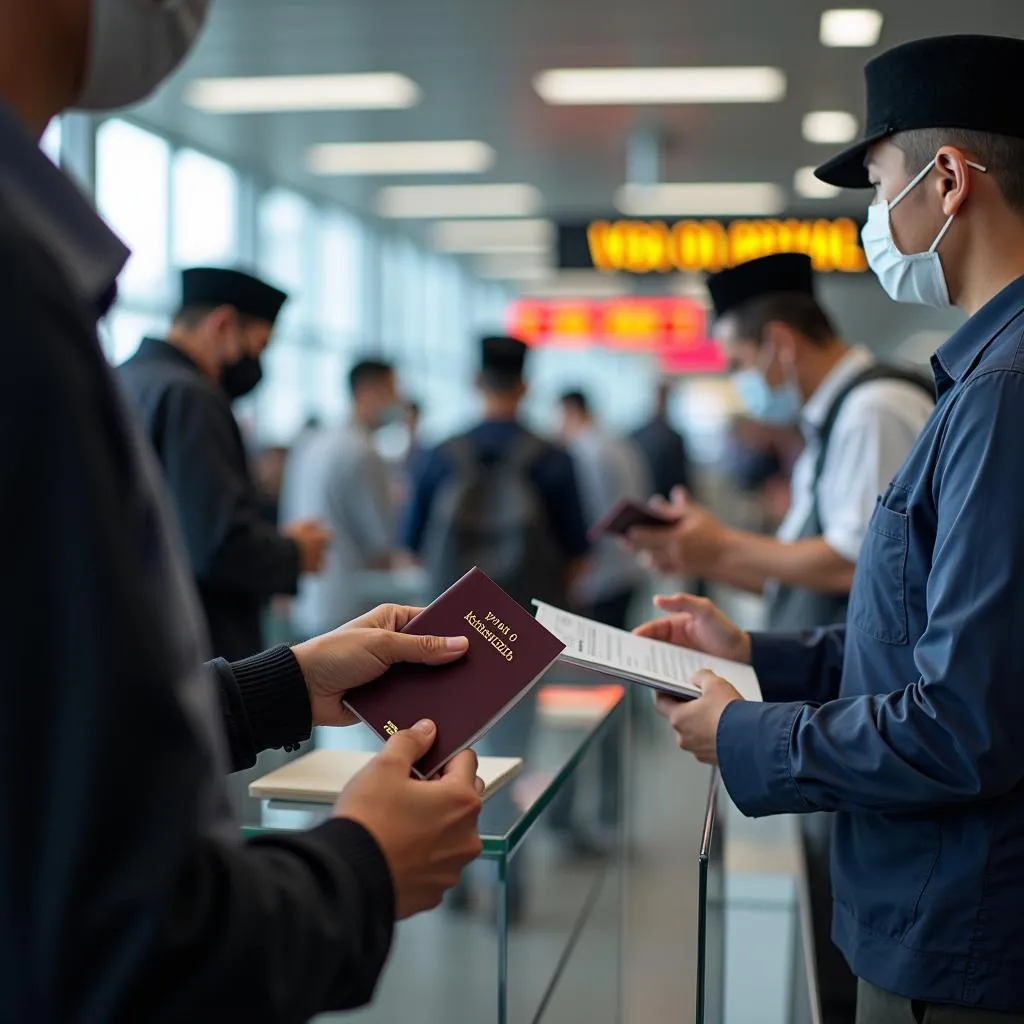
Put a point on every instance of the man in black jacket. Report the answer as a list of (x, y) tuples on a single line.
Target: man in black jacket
[(126, 893), (182, 389)]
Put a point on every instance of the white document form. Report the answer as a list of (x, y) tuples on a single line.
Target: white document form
[(662, 666)]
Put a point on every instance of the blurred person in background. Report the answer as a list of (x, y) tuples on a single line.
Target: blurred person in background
[(127, 890), (608, 469), (503, 499), (182, 388), (412, 416), (860, 418), (335, 475), (664, 448), (268, 474), (499, 497)]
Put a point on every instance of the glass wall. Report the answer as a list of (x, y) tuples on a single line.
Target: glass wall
[(355, 290)]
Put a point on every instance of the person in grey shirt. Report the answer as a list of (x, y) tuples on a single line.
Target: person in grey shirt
[(336, 476), (608, 469)]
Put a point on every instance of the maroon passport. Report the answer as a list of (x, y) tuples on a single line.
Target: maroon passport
[(508, 652), (619, 520)]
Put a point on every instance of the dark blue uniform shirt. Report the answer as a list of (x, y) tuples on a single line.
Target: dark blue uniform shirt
[(914, 730), (553, 475)]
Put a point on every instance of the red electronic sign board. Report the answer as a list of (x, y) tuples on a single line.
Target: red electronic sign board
[(674, 329)]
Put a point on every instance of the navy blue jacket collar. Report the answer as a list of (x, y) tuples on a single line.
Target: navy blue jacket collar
[(958, 356)]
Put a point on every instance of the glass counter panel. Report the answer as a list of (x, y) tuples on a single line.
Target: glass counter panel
[(525, 916)]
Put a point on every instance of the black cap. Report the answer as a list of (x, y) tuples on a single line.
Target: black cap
[(943, 82), (784, 272), (502, 356), (212, 286)]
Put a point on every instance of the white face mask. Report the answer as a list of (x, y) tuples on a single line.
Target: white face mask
[(133, 46), (917, 277)]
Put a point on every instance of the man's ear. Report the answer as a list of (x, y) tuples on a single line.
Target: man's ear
[(953, 179)]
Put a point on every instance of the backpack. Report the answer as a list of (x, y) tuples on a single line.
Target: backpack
[(489, 514)]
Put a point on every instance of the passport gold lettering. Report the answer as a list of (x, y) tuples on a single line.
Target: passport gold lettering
[(494, 636), (390, 728)]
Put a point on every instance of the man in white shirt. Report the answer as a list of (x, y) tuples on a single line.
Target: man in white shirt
[(608, 469), (860, 420), (339, 472)]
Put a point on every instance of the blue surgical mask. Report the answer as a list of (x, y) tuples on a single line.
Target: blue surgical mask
[(778, 405)]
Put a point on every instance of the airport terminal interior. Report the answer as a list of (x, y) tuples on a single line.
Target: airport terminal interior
[(419, 176)]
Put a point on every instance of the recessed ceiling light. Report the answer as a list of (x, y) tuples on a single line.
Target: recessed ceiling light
[(381, 158), (833, 127), (851, 27), (274, 93), (493, 236), (437, 202), (584, 86), (807, 185), (696, 199)]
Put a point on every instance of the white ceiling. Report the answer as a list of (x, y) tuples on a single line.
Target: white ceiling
[(475, 61)]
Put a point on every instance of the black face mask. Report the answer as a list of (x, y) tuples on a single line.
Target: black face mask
[(240, 378)]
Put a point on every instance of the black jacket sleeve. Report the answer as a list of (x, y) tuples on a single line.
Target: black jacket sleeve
[(126, 893), (264, 702), (230, 544)]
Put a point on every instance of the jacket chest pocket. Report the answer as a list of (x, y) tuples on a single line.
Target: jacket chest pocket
[(878, 604)]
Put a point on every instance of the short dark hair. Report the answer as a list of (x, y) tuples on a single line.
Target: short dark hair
[(190, 317), (795, 309), (577, 401), (1000, 155), (500, 380), (369, 372)]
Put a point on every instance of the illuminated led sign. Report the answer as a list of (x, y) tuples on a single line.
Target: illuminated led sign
[(674, 329), (698, 246)]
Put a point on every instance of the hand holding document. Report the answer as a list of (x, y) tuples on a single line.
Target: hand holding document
[(652, 663)]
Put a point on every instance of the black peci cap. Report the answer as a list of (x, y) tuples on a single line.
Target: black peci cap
[(502, 356), (943, 82), (212, 286), (784, 272)]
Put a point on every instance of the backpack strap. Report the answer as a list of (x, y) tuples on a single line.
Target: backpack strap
[(870, 374)]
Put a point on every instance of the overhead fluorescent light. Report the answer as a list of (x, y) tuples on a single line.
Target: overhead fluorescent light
[(275, 93), (698, 199), (382, 158), (438, 202), (586, 86), (513, 268), (805, 184), (851, 27), (833, 127), (493, 236)]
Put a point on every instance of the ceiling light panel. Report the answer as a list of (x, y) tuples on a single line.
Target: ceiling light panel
[(276, 93), (851, 27), (634, 86), (699, 199), (385, 158), (513, 268), (806, 185), (493, 236), (832, 127), (439, 202)]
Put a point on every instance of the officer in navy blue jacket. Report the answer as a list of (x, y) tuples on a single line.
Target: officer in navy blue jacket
[(907, 723)]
